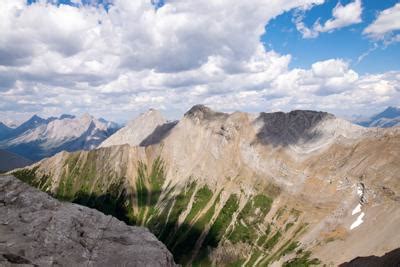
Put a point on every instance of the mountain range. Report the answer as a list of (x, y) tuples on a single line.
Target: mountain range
[(390, 117), (240, 189), (38, 138)]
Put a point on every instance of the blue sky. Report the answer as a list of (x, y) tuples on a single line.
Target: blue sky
[(348, 42), (118, 58)]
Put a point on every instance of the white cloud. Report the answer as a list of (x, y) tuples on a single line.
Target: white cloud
[(60, 59), (387, 22), (342, 16)]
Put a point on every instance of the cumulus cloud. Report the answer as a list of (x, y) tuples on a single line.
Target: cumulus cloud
[(386, 24), (342, 16), (116, 61)]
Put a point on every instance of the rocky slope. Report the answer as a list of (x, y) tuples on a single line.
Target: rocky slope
[(37, 230), (245, 189), (38, 138)]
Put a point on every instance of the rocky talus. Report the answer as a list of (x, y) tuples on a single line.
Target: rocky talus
[(37, 230)]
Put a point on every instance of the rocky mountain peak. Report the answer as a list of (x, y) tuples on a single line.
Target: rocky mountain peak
[(203, 112), (67, 116), (137, 130), (86, 117), (151, 113)]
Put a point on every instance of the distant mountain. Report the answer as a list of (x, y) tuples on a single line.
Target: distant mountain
[(388, 118), (145, 128), (10, 161), (4, 130), (11, 123), (38, 138), (67, 116), (33, 122)]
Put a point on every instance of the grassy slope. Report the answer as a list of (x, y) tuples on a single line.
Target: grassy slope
[(81, 184)]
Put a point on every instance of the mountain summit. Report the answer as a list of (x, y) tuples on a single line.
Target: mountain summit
[(137, 130)]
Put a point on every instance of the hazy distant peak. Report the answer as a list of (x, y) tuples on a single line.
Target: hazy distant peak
[(388, 118), (66, 116), (86, 116)]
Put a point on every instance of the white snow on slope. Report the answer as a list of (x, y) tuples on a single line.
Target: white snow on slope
[(356, 210), (357, 222)]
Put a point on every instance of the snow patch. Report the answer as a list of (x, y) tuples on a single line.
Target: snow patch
[(358, 221), (356, 210), (360, 191)]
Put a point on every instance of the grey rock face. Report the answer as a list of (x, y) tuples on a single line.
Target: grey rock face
[(281, 128), (37, 230)]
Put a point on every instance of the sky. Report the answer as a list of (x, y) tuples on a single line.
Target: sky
[(118, 58)]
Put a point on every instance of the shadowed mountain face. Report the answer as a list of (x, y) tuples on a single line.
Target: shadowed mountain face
[(159, 133), (148, 128), (289, 128), (293, 189), (38, 230), (10, 161), (4, 131), (390, 259)]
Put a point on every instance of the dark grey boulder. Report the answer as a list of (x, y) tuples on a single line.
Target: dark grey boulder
[(38, 230)]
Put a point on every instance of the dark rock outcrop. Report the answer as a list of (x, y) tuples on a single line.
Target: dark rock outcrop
[(202, 112), (390, 259), (37, 230), (281, 128)]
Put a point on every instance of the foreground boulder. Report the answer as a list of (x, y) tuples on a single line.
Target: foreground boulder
[(36, 229)]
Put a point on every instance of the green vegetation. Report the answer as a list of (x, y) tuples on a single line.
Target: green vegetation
[(254, 257), (249, 217), (302, 260), (288, 226), (186, 241), (292, 246), (222, 222), (264, 237), (202, 197), (241, 233), (237, 263), (181, 202), (273, 240), (80, 183), (29, 176)]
